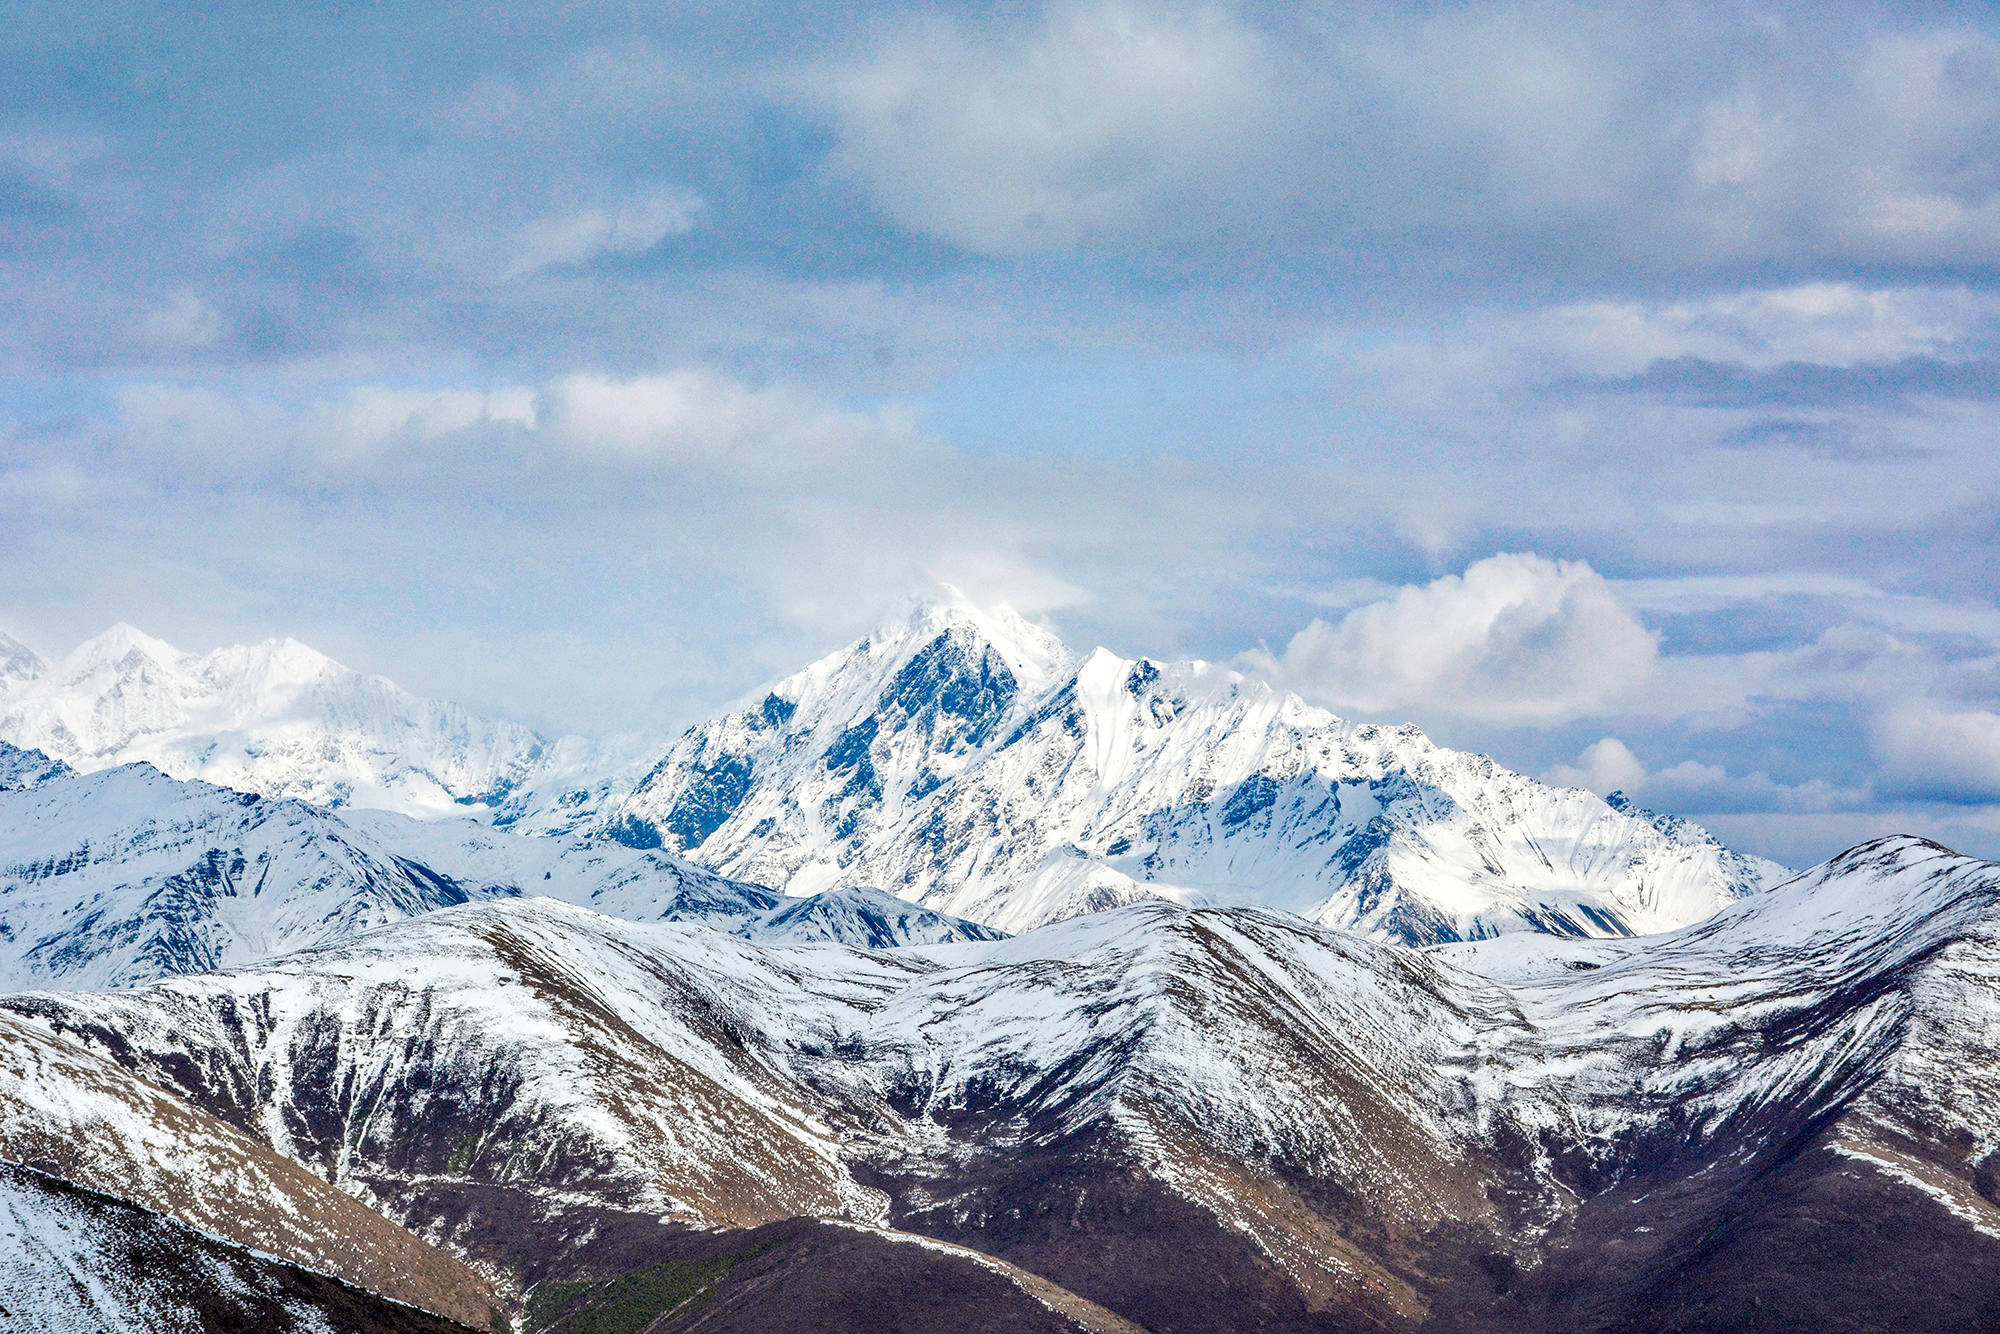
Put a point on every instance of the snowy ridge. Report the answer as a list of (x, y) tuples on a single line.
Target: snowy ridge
[(80, 1117), (639, 1064), (124, 876), (275, 718), (21, 769), (968, 762), (112, 878), (1223, 1053), (1884, 963)]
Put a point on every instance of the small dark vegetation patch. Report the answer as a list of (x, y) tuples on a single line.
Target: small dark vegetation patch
[(622, 1305)]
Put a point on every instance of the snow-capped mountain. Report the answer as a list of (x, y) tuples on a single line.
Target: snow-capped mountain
[(968, 761), (957, 758), (1198, 1119), (118, 877), (275, 718), (18, 663), (21, 769), (126, 875), (80, 1262)]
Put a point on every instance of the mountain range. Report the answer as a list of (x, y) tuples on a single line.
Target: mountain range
[(957, 982), (958, 758), (1187, 1118)]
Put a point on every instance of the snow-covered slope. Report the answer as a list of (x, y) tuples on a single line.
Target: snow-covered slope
[(79, 1262), (18, 663), (864, 918), (1198, 1093), (78, 1116), (28, 768), (966, 761), (275, 718), (1869, 984), (118, 877), (547, 1062), (123, 876)]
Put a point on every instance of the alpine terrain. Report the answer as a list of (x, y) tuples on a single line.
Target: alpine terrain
[(275, 718), (970, 762), (958, 984), (1157, 1117)]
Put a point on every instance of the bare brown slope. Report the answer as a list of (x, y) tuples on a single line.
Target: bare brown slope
[(803, 1274), (76, 1116), (114, 1268)]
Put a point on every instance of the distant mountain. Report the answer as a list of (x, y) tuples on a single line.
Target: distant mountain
[(127, 875), (119, 877), (275, 718), (18, 663), (959, 759), (969, 762), (1199, 1120)]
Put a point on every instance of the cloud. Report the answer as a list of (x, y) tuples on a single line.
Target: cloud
[(1098, 122), (1691, 787), (1732, 384), (690, 415), (1934, 751), (1605, 767), (1517, 639), (623, 230)]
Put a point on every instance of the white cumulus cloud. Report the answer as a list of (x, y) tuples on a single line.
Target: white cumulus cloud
[(1517, 638)]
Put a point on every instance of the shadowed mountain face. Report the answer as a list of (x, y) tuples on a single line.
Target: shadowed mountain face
[(969, 762), (1786, 1116)]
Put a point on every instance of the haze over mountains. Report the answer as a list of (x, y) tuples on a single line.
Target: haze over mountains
[(958, 982)]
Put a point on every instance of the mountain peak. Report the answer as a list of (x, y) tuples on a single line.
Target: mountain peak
[(114, 646), (18, 662), (1031, 652), (277, 717)]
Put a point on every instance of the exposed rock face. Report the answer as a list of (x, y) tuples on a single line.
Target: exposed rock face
[(968, 762), (1204, 1119)]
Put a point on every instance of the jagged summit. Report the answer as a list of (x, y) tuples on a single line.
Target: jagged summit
[(1032, 653), (970, 762)]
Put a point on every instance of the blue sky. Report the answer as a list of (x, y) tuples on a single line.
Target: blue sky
[(1612, 388)]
